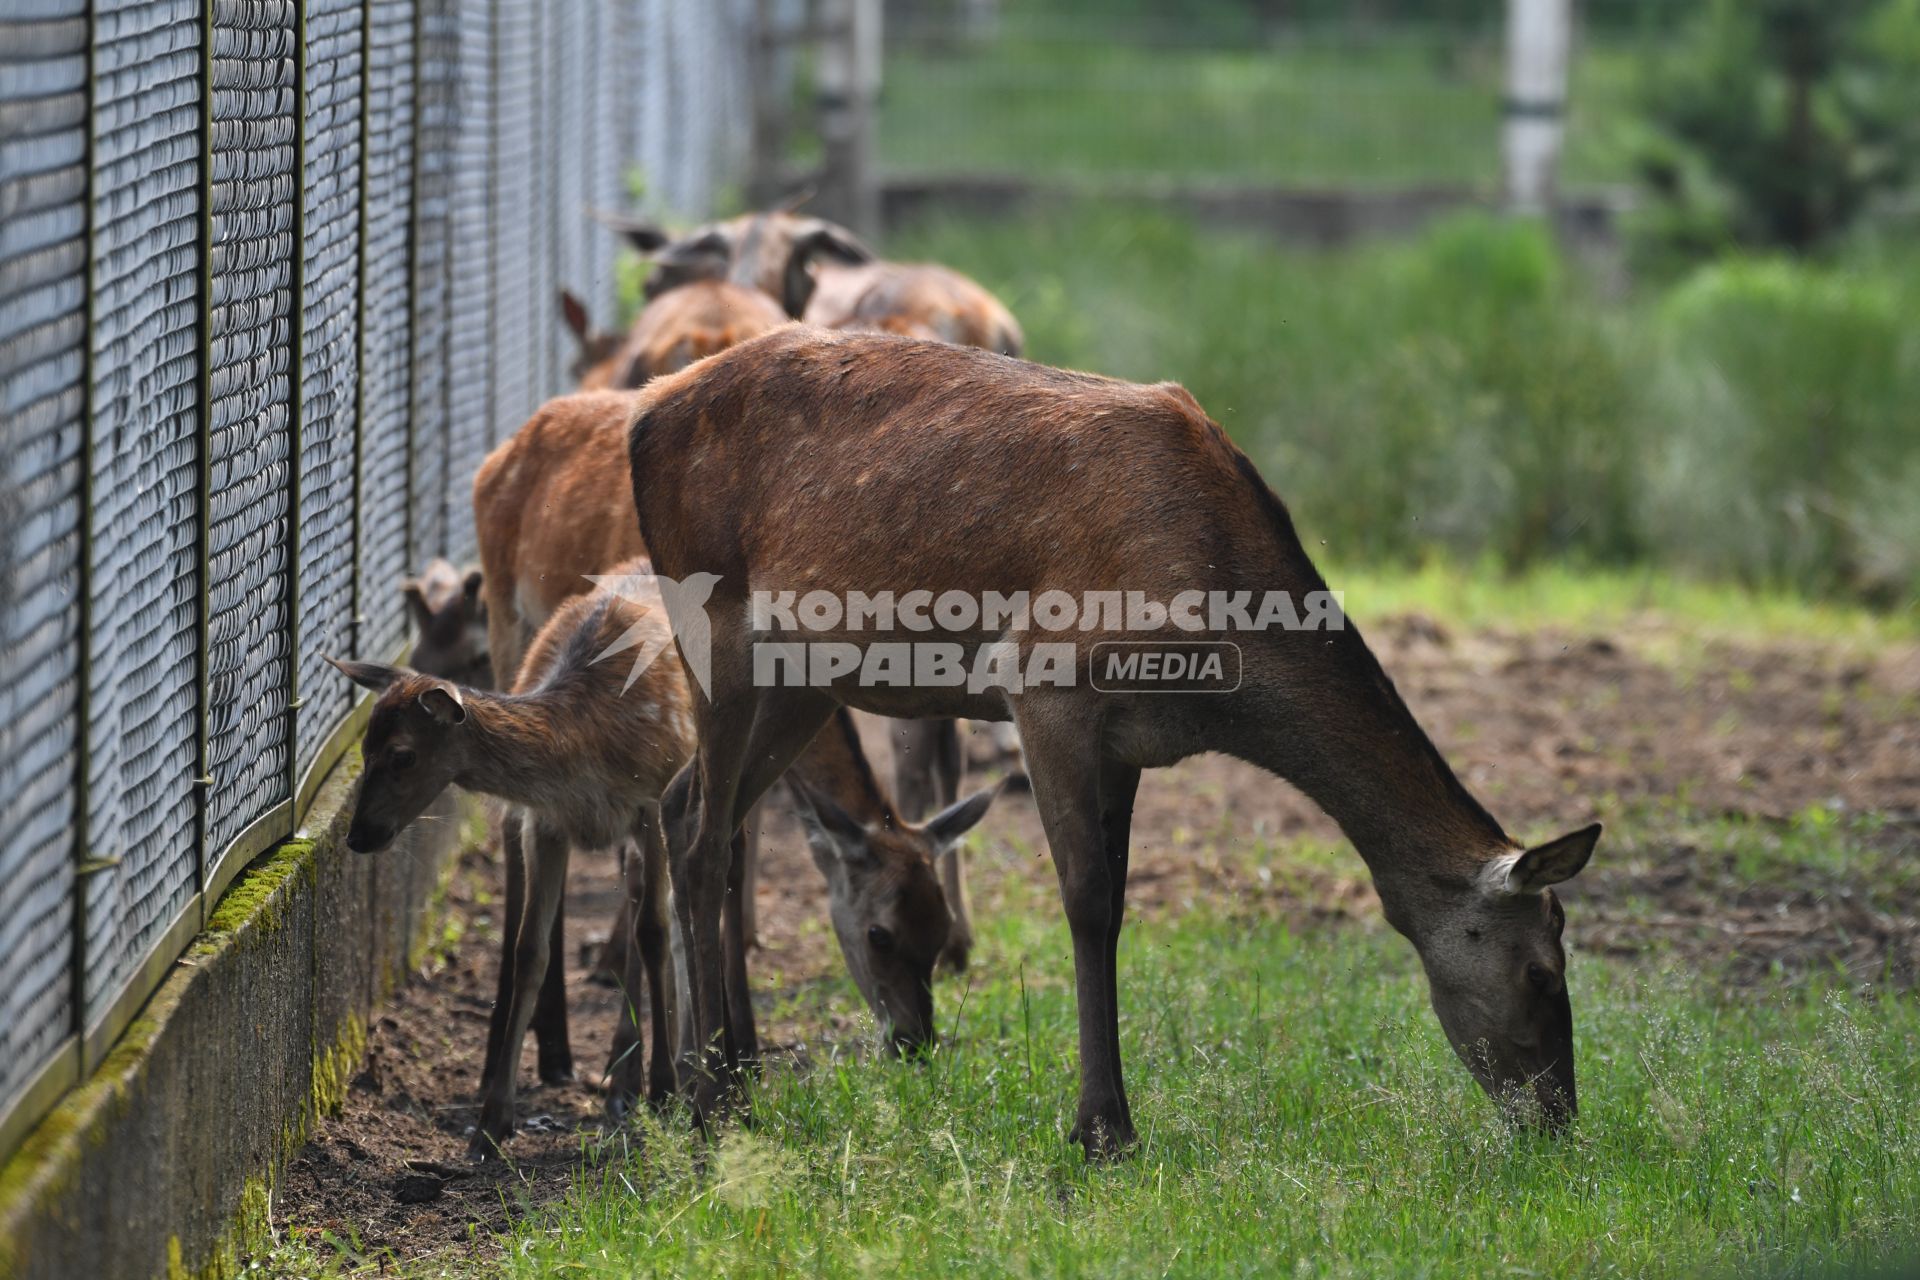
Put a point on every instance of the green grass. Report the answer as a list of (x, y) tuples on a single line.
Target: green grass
[(1390, 110), (1299, 1114), (1604, 601), (1472, 392)]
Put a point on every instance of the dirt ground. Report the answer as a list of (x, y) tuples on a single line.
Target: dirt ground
[(1552, 731)]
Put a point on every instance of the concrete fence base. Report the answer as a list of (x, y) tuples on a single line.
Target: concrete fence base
[(162, 1163)]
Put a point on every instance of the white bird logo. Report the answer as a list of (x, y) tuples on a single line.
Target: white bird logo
[(686, 604)]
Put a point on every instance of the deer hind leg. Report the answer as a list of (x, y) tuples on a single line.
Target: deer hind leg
[(546, 851), (1072, 785), (699, 812), (550, 1011), (788, 720), (643, 916), (507, 822), (651, 936), (750, 873), (741, 1035)]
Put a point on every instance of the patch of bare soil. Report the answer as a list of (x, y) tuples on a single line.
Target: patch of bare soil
[(1551, 731)]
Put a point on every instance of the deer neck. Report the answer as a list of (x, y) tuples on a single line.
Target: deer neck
[(530, 751), (1324, 716), (835, 765)]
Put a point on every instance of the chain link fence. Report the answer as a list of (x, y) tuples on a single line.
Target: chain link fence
[(274, 276)]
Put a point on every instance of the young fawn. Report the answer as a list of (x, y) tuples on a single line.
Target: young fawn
[(583, 748), (1030, 479)]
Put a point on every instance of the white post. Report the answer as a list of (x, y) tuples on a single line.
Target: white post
[(1539, 39), (848, 78)]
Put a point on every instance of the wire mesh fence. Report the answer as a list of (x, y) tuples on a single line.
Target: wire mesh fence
[(274, 276)]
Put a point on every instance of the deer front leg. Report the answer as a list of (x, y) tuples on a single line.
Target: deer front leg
[(1064, 761), (546, 879)]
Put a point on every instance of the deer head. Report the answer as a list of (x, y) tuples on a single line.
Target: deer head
[(449, 618), (1490, 943), (414, 747), (889, 912), (594, 346)]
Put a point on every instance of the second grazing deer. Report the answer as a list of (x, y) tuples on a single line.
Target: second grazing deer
[(785, 465)]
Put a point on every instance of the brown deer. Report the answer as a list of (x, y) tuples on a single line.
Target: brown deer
[(583, 747), (825, 276), (449, 621), (786, 464)]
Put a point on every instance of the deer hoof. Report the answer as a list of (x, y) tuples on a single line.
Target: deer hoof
[(557, 1072), (1105, 1138)]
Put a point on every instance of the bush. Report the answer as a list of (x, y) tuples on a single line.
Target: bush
[(1468, 393), (1791, 390)]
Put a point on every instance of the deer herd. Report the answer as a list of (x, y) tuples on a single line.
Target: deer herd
[(789, 411)]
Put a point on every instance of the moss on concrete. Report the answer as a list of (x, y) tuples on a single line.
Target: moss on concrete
[(255, 904), (51, 1216)]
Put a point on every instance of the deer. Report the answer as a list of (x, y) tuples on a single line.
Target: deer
[(449, 619), (782, 464), (825, 275), (583, 748), (674, 329)]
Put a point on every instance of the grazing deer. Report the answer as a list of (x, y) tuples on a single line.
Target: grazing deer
[(585, 757), (673, 330), (824, 275), (690, 323), (784, 464)]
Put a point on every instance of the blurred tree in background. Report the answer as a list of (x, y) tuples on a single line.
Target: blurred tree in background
[(1778, 121)]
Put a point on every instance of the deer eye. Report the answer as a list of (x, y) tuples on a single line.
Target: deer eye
[(880, 939), (1540, 977), (402, 759)]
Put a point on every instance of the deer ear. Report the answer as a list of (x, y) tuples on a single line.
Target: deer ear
[(472, 583), (1554, 862), (706, 254), (574, 312), (443, 702), (822, 240), (947, 826), (368, 675), (416, 599), (831, 830)]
